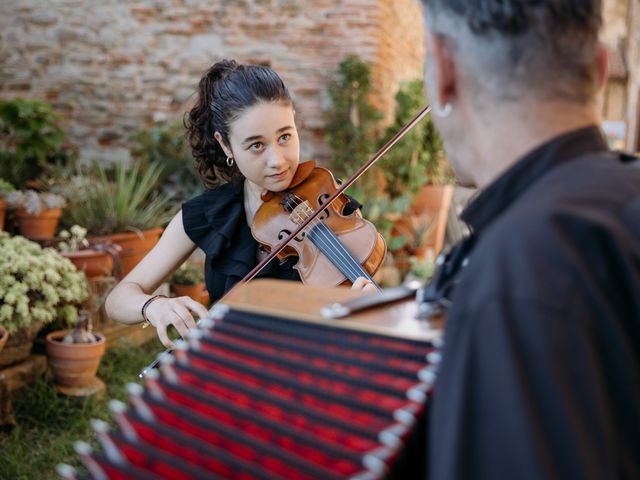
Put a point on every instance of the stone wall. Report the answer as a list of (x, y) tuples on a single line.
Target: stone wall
[(111, 67)]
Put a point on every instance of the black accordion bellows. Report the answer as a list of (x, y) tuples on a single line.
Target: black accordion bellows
[(254, 396)]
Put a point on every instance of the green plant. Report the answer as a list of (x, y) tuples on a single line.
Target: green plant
[(352, 120), (166, 146), (415, 229), (422, 268), (415, 159), (5, 188), (34, 202), (129, 202), (30, 137), (73, 240), (384, 213), (37, 284), (189, 273)]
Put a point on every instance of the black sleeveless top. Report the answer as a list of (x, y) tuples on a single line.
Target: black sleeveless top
[(216, 222)]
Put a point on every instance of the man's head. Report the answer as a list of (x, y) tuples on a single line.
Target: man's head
[(488, 56)]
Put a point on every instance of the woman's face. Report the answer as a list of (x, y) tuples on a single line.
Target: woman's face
[(264, 144)]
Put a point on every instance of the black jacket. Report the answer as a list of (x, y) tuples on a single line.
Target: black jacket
[(540, 377)]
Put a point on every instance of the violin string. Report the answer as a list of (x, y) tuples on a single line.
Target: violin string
[(340, 246), (339, 249), (341, 258), (341, 255), (333, 240), (293, 202)]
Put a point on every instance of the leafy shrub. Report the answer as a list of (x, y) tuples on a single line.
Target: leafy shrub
[(131, 201), (30, 139), (37, 284)]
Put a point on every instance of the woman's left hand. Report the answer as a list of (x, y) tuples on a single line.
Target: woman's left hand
[(365, 285)]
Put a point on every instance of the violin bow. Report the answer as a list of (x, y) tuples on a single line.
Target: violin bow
[(361, 171), (278, 248)]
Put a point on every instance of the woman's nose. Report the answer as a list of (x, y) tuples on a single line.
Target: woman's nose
[(275, 158)]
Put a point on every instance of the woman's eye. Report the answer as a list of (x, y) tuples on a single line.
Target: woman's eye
[(255, 147), (285, 137)]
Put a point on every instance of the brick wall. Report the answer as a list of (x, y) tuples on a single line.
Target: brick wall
[(111, 67)]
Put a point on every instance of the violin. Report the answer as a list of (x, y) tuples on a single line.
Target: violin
[(334, 248)]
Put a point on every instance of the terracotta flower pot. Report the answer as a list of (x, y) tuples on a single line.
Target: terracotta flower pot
[(4, 335), (74, 364), (18, 346), (38, 227), (135, 245), (94, 263), (3, 211)]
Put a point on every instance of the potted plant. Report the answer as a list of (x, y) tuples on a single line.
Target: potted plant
[(417, 231), (127, 210), (5, 189), (74, 357), (95, 260), (31, 139), (37, 286), (38, 213), (188, 281)]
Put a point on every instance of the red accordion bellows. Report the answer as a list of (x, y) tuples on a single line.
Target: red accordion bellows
[(264, 397)]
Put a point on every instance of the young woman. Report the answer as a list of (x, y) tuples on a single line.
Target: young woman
[(241, 130)]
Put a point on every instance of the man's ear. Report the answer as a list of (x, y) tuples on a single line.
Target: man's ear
[(602, 56), (440, 55), (227, 151)]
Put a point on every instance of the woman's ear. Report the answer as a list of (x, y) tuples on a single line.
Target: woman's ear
[(227, 151)]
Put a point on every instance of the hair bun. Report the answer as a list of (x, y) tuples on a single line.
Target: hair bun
[(221, 70)]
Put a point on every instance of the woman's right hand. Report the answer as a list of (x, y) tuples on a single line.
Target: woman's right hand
[(176, 311)]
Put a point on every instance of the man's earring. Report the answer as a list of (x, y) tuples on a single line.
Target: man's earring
[(229, 162), (443, 112)]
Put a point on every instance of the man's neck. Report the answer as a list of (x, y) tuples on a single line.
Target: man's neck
[(509, 134)]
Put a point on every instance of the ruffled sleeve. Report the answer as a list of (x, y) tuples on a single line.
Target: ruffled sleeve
[(210, 219)]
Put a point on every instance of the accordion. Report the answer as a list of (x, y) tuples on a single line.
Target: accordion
[(252, 395)]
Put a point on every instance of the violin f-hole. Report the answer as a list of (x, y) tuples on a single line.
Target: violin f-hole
[(321, 201), (282, 234)]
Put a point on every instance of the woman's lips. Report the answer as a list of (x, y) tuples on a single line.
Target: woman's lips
[(279, 176)]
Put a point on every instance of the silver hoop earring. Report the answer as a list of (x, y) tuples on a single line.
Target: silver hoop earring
[(443, 112), (229, 162)]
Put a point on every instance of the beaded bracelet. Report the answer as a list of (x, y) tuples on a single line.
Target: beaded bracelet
[(144, 309)]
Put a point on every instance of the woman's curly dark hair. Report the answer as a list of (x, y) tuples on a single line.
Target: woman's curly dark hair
[(224, 92)]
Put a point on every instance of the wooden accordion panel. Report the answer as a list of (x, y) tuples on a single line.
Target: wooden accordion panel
[(256, 396)]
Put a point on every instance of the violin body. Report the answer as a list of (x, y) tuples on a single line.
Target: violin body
[(321, 261)]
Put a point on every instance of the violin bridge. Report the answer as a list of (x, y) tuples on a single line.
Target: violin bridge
[(300, 212)]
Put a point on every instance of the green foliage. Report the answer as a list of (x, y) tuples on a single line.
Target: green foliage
[(189, 273), (37, 284), (414, 159), (166, 146), (49, 423), (30, 138), (352, 121), (384, 213), (5, 188), (422, 268), (129, 202)]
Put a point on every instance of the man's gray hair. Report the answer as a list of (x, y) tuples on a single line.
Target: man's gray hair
[(511, 47)]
